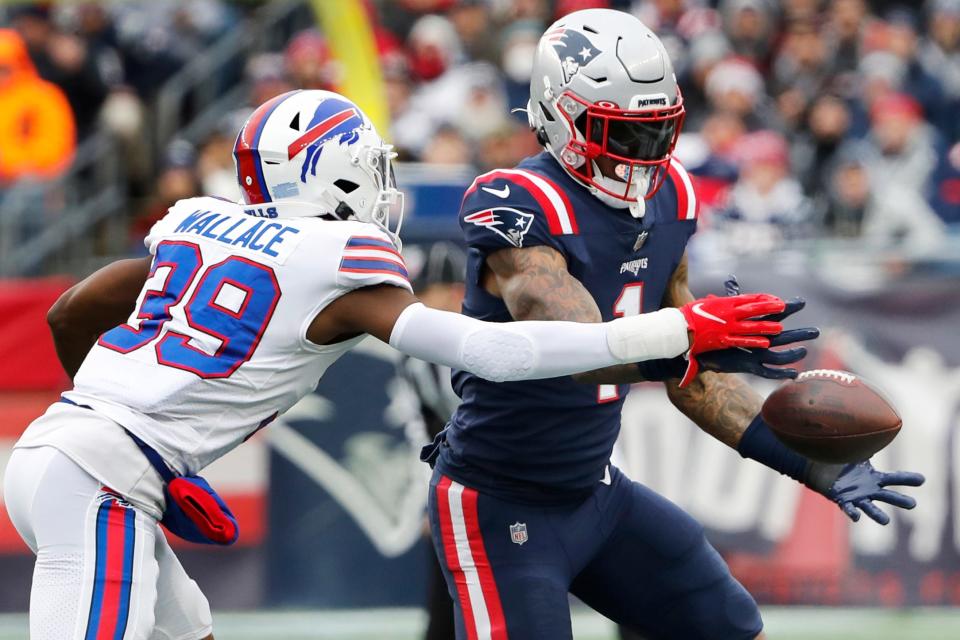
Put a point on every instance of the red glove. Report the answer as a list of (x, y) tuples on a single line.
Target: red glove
[(721, 323)]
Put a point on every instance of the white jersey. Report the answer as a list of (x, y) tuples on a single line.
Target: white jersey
[(217, 345)]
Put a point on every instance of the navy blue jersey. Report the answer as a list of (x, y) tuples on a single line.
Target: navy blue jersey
[(552, 438)]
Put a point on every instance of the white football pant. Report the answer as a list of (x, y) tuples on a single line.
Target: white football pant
[(104, 569)]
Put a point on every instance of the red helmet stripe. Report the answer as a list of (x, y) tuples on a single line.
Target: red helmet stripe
[(246, 151)]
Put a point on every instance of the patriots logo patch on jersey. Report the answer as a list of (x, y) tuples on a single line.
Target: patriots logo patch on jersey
[(503, 221), (573, 48)]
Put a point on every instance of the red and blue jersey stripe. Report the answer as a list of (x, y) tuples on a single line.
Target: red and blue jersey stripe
[(113, 577), (372, 265), (367, 242), (372, 255)]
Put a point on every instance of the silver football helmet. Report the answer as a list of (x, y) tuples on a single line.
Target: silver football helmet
[(603, 87)]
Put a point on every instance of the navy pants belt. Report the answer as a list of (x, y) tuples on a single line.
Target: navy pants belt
[(626, 551)]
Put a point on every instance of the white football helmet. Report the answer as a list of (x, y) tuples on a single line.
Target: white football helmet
[(314, 153), (603, 87)]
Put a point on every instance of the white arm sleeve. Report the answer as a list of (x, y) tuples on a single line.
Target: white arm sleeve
[(529, 350)]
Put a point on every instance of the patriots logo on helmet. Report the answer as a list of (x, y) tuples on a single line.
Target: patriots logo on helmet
[(573, 48), (503, 221), (331, 118)]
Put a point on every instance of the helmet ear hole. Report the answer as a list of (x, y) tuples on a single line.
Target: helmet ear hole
[(542, 137), (546, 112), (343, 211), (346, 186)]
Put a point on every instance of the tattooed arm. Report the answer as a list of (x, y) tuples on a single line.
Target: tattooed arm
[(725, 407), (535, 285), (721, 404)]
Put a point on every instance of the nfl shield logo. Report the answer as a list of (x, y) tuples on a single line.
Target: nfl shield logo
[(518, 532)]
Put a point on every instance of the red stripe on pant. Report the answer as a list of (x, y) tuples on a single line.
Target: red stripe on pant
[(481, 564), (453, 562), (113, 576), (498, 624)]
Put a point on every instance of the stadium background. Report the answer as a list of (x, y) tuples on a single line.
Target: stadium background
[(823, 139)]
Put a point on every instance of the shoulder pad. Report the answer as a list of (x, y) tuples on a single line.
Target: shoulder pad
[(211, 203), (681, 185), (522, 189), (370, 257), (178, 212)]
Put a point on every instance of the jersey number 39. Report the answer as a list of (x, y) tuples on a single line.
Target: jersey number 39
[(232, 303)]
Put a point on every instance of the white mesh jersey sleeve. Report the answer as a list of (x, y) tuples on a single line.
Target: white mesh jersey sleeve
[(215, 348)]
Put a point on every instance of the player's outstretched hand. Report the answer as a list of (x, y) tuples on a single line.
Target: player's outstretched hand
[(858, 485), (765, 363), (732, 321), (758, 361)]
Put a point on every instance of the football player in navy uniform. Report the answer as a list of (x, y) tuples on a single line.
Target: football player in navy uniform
[(524, 505), (437, 278)]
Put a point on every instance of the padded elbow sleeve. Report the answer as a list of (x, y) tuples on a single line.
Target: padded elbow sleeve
[(501, 351), (497, 354), (530, 350)]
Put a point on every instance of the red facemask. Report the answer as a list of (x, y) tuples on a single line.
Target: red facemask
[(636, 140)]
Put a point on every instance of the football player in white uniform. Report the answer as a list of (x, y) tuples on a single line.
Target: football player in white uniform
[(179, 357)]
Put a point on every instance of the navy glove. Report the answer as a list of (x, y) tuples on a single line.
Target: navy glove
[(856, 486), (853, 487), (755, 361), (743, 360)]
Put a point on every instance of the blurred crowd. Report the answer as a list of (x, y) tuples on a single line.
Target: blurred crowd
[(67, 69), (805, 118)]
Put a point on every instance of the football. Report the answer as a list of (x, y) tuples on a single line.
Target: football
[(831, 416)]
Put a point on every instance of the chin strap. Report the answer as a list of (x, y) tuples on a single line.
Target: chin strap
[(638, 208)]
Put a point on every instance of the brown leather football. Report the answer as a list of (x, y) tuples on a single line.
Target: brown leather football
[(831, 416)]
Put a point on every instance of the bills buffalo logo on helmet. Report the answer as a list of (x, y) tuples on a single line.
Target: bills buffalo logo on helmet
[(573, 48), (330, 119), (503, 221)]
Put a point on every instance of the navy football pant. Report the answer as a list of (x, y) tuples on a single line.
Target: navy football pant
[(627, 552)]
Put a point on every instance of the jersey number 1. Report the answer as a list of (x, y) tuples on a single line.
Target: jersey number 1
[(232, 302), (629, 303)]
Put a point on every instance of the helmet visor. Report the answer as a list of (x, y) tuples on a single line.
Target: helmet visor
[(638, 140), (632, 138)]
